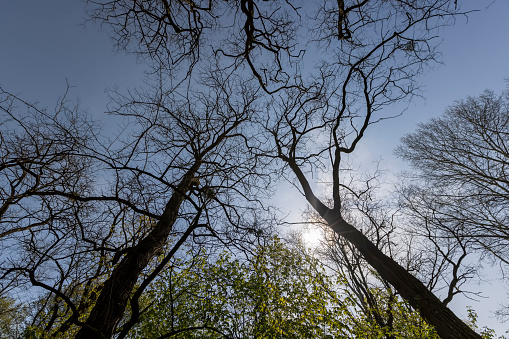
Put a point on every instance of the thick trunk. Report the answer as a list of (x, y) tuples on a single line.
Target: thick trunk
[(436, 313), (111, 303), (446, 323)]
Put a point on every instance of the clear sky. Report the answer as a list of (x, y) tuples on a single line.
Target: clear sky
[(43, 43), (475, 56)]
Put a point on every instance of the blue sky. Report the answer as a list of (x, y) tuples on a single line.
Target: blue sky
[(43, 43), (475, 56)]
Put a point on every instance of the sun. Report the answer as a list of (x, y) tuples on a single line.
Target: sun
[(312, 236)]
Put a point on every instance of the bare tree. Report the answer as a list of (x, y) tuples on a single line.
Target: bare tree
[(225, 70), (92, 215), (460, 190), (321, 127), (177, 151), (39, 152), (461, 159), (374, 218), (439, 265)]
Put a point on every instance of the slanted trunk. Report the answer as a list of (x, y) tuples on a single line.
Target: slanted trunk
[(111, 303), (436, 313)]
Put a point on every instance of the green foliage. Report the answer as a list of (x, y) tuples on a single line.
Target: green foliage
[(485, 332), (54, 316), (399, 319), (12, 317), (279, 292), (53, 321)]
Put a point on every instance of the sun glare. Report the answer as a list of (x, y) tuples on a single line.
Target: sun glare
[(312, 236)]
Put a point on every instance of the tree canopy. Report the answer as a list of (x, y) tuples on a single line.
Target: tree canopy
[(241, 94)]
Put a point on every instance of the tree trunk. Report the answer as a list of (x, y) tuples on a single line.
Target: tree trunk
[(436, 313), (111, 303)]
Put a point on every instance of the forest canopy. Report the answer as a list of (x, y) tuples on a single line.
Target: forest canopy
[(166, 227)]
